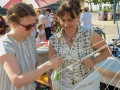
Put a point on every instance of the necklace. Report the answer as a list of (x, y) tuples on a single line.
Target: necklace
[(71, 39)]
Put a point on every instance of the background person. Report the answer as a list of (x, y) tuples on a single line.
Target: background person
[(18, 51), (73, 43), (86, 18), (41, 33), (2, 25), (40, 16), (48, 18)]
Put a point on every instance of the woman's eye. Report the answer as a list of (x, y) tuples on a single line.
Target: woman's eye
[(71, 20), (63, 20)]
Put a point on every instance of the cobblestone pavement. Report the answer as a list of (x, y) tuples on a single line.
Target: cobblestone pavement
[(110, 28)]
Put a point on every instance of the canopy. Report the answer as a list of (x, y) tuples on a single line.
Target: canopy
[(42, 3), (35, 3), (8, 3)]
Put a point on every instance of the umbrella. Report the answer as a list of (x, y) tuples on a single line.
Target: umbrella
[(36, 3), (10, 2), (42, 3), (39, 3)]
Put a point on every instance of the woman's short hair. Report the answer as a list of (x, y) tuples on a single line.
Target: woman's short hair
[(85, 9), (71, 7), (49, 10), (18, 11)]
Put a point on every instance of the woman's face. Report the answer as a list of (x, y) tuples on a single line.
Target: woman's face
[(26, 26), (68, 24)]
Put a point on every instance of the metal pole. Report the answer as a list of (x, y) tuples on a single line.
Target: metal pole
[(115, 17), (114, 8)]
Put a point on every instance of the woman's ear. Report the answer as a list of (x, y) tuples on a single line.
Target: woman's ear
[(13, 24)]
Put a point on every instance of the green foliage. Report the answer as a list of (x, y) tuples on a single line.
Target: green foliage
[(95, 1), (102, 1), (59, 1), (105, 10)]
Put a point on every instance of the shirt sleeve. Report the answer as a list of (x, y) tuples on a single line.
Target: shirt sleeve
[(43, 32), (6, 47), (81, 17)]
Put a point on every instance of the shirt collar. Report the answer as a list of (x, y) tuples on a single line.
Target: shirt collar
[(79, 33)]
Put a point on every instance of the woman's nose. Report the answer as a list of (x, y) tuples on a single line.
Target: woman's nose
[(66, 24)]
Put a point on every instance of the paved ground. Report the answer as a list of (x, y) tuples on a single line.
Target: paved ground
[(110, 28)]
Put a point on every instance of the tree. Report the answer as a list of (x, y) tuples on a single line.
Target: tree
[(89, 1)]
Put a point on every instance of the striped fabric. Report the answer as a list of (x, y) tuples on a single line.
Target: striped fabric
[(25, 53)]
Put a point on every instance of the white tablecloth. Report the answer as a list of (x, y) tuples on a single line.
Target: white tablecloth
[(42, 54)]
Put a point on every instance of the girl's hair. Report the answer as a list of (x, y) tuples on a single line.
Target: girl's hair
[(18, 11), (71, 7), (40, 26), (38, 11)]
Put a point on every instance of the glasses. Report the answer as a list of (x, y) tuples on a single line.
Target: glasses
[(29, 27)]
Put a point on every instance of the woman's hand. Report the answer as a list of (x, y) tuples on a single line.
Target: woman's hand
[(89, 63), (55, 62)]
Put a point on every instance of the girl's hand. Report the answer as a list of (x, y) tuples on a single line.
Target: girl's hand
[(55, 62)]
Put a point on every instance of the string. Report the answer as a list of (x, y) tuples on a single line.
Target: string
[(88, 77), (86, 56), (106, 61), (112, 80), (117, 72), (106, 68), (116, 85), (89, 55), (101, 73)]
